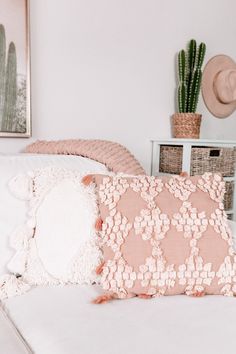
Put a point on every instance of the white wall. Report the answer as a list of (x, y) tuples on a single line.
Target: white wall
[(106, 68)]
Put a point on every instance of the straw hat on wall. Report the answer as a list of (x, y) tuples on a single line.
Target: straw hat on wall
[(219, 86)]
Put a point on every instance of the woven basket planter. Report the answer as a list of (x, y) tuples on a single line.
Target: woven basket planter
[(229, 193), (186, 125)]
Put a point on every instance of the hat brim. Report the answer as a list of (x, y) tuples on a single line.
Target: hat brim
[(212, 68)]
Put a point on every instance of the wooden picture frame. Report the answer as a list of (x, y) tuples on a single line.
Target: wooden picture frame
[(15, 97)]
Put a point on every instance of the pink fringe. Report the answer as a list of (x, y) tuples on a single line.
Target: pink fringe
[(198, 294), (144, 296), (103, 299), (100, 268), (98, 224), (184, 174), (86, 180)]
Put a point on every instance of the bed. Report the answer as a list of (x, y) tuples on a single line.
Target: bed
[(63, 320)]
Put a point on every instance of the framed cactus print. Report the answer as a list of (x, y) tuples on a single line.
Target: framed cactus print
[(15, 112)]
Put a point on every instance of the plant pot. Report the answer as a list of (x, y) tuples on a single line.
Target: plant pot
[(186, 125)]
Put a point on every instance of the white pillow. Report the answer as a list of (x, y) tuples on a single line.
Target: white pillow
[(57, 243), (12, 210)]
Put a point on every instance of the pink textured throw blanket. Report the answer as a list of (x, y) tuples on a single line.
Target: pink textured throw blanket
[(113, 155)]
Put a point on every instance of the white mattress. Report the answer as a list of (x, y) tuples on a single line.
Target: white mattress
[(62, 320), (11, 341)]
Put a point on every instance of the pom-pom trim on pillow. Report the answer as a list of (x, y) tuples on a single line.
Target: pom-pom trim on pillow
[(26, 264)]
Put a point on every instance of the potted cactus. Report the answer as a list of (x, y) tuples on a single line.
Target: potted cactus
[(186, 123)]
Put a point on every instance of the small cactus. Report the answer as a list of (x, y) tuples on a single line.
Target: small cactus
[(182, 98), (8, 84), (190, 76), (196, 80), (182, 65), (192, 53), (9, 108), (192, 50)]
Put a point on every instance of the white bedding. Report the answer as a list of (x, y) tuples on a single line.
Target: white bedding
[(10, 340), (63, 321)]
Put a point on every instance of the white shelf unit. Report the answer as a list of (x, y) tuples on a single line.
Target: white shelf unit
[(187, 145)]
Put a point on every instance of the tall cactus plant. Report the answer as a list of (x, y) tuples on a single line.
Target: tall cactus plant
[(197, 79), (2, 68), (9, 108), (182, 89), (190, 82), (192, 55)]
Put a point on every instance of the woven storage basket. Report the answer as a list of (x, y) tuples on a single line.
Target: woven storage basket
[(171, 158), (186, 125), (230, 217), (228, 198), (203, 159), (213, 159)]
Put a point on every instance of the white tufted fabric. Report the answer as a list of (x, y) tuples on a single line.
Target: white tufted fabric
[(12, 210)]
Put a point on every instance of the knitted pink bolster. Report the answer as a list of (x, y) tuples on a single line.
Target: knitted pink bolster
[(113, 155)]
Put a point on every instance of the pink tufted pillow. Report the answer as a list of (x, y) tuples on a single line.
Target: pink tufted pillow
[(165, 236)]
